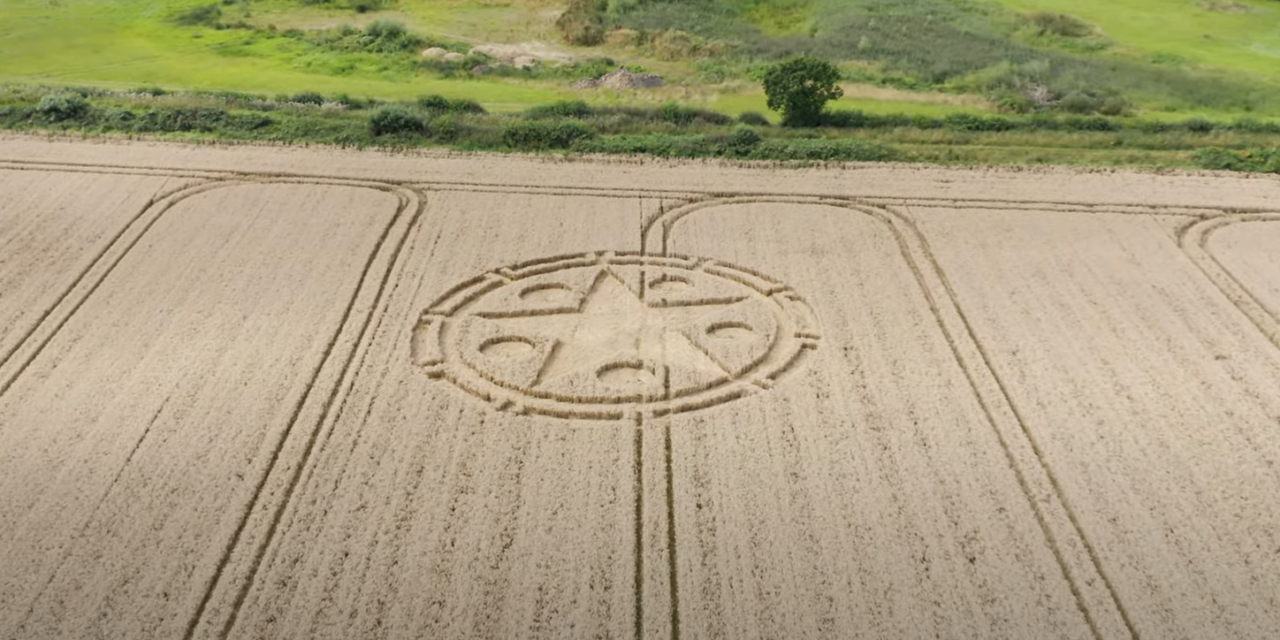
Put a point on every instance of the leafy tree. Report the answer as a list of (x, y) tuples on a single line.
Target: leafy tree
[(799, 88)]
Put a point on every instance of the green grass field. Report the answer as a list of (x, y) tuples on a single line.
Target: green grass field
[(1241, 35), (129, 43), (1161, 60)]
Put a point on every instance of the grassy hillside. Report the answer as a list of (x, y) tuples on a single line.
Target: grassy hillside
[(1182, 57)]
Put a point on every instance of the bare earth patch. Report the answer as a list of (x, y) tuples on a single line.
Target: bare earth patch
[(297, 393)]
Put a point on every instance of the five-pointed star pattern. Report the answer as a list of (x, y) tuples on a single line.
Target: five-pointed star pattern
[(612, 324)]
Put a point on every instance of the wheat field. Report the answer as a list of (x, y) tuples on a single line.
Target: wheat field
[(253, 392)]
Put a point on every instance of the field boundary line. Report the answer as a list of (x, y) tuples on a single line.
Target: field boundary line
[(1054, 206), (414, 234), (408, 200), (909, 237), (1005, 398), (158, 196), (1194, 242), (63, 167), (139, 225)]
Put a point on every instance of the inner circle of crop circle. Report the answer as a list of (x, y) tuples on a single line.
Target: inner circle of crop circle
[(614, 335)]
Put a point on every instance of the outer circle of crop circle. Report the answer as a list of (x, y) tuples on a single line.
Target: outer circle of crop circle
[(445, 336)]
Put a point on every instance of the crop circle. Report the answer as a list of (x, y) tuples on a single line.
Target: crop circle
[(615, 335)]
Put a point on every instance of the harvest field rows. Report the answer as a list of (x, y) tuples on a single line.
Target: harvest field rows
[(291, 393)]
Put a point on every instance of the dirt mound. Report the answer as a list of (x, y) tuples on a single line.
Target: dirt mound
[(621, 79)]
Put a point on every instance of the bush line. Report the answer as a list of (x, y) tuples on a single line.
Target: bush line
[(670, 130)]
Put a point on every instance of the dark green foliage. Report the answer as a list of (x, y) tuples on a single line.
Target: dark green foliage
[(465, 106), (57, 107), (743, 140), (752, 118), (539, 135), (1198, 125), (1243, 145), (969, 122), (154, 92), (800, 88), (676, 114), (439, 103), (1059, 24), (434, 102), (1249, 125), (1255, 160), (249, 121), (824, 149), (307, 97), (359, 6), (379, 36), (561, 109), (208, 15), (654, 144), (683, 116), (352, 103), (445, 128), (393, 120), (179, 119), (1094, 123)]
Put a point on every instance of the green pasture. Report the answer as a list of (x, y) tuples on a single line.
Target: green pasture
[(129, 43), (123, 44), (1240, 35)]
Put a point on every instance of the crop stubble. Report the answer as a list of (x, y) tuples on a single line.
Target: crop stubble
[(999, 419)]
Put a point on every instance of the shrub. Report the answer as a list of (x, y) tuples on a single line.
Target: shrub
[(800, 88), (434, 102), (1249, 125), (118, 118), (57, 107), (1059, 24), (657, 144), (1095, 123), (445, 128), (204, 15), (754, 119), (969, 122), (824, 149), (440, 103), (1079, 102), (150, 91), (543, 135), (169, 119), (1198, 125), (676, 114), (1154, 126), (390, 120), (307, 97), (1013, 102), (582, 23), (465, 106), (845, 119), (743, 140), (561, 109), (249, 121), (385, 29), (1257, 160)]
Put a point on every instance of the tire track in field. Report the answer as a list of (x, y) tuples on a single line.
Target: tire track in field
[(1062, 206), (1194, 240), (906, 234), (144, 220), (1030, 439), (410, 201)]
